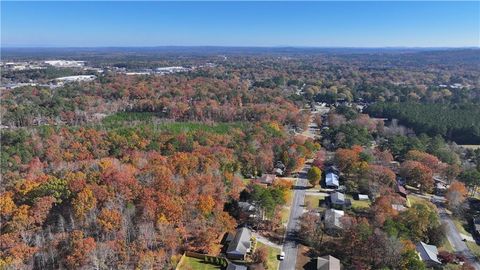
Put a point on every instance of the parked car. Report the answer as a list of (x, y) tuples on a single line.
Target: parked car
[(281, 257)]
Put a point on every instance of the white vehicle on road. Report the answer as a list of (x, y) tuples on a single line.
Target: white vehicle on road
[(281, 257)]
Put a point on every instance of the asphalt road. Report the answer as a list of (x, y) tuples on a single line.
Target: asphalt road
[(290, 245), (455, 239)]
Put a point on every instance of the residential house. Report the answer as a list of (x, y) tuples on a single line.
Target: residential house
[(476, 225), (333, 220), (428, 254), (337, 200), (331, 180), (232, 266), (328, 263), (239, 247), (278, 172), (401, 190), (267, 179), (332, 169), (248, 209), (441, 185)]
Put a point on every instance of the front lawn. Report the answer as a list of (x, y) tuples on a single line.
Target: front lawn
[(314, 200), (285, 212), (474, 248), (447, 246), (272, 259)]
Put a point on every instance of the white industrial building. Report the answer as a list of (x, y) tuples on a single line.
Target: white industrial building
[(78, 78), (65, 63)]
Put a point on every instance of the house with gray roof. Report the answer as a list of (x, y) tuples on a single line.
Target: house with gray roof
[(331, 180), (428, 254), (333, 220), (338, 200), (232, 266), (328, 263), (239, 247)]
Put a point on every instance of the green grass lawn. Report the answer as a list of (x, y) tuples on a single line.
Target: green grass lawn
[(460, 225), (313, 200), (272, 256), (414, 199), (358, 204), (285, 212), (447, 246), (195, 264), (474, 248)]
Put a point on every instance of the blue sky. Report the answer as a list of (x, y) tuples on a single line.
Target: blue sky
[(315, 24)]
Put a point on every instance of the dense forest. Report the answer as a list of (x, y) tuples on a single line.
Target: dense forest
[(457, 122)]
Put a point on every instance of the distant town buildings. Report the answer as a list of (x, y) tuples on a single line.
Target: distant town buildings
[(19, 66), (65, 63), (78, 78)]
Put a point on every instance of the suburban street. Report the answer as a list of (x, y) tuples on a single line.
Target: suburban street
[(290, 246), (455, 239)]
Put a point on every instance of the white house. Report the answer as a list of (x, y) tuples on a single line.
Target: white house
[(331, 180)]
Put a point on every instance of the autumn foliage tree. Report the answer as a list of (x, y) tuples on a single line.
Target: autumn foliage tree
[(456, 195), (261, 256), (80, 249), (314, 175), (418, 175)]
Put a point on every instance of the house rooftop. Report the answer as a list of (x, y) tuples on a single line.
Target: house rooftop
[(337, 198), (333, 219), (267, 179), (331, 179), (232, 266), (328, 263), (240, 244), (428, 252)]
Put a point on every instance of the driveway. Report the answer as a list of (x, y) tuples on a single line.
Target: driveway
[(265, 241)]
